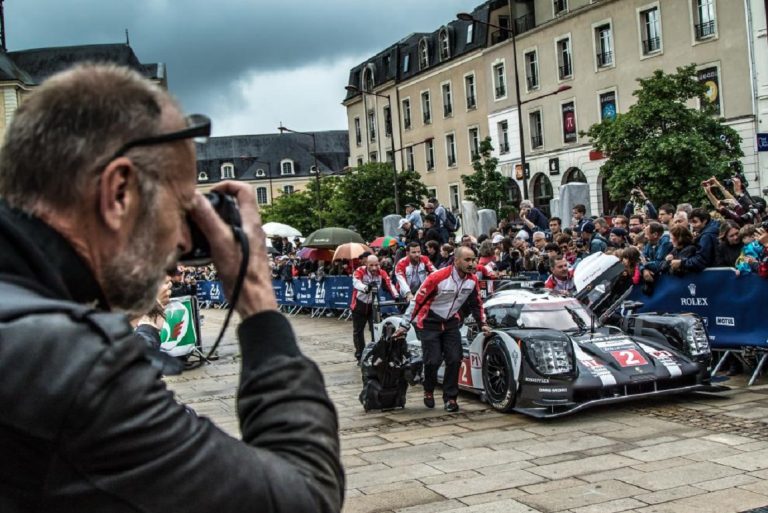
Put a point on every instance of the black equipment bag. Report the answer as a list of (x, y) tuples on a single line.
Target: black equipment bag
[(384, 364)]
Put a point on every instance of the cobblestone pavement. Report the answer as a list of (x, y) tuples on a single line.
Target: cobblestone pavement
[(694, 454)]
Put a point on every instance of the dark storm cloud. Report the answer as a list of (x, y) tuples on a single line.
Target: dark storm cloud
[(207, 45)]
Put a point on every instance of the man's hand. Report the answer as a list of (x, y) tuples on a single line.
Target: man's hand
[(256, 295), (408, 296), (675, 264), (647, 275), (762, 236), (400, 332), (485, 329)]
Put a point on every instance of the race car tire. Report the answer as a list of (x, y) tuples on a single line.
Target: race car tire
[(498, 377)]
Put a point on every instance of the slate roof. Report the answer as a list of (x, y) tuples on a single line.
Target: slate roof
[(248, 153), (35, 65)]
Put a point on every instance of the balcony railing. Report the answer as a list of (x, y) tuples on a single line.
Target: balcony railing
[(504, 147), (651, 45), (430, 165), (471, 102), (565, 71), (533, 82), (447, 111), (536, 141), (427, 119), (525, 23), (604, 59), (451, 160), (705, 30), (501, 91)]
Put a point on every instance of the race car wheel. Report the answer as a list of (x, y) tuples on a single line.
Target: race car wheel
[(498, 377)]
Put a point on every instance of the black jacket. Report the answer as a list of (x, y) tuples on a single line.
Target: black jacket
[(87, 424)]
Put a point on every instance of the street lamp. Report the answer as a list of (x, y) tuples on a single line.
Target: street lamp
[(464, 16), (354, 89), (282, 129)]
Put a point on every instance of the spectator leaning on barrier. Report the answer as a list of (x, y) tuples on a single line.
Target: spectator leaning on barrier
[(666, 213), (706, 231), (751, 251), (680, 219), (97, 176), (655, 250), (729, 246), (682, 248)]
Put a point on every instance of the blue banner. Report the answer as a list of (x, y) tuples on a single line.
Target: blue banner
[(211, 292), (732, 306), (338, 291)]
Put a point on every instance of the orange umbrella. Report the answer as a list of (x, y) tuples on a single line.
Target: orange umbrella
[(350, 250)]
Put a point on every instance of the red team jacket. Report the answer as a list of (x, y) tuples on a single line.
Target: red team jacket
[(404, 272), (360, 280), (442, 295)]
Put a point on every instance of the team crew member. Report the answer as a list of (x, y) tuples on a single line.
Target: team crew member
[(412, 270), (442, 295), (365, 279)]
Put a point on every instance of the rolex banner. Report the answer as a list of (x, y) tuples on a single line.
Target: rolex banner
[(730, 305), (180, 332)]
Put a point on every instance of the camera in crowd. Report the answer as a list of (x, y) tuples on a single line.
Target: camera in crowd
[(227, 209), (738, 172)]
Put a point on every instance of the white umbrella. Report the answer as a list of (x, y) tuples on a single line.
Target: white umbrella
[(280, 230)]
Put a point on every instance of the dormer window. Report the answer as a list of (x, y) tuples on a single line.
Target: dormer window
[(286, 167), (368, 82), (227, 171), (445, 45), (423, 54), (202, 176), (260, 173)]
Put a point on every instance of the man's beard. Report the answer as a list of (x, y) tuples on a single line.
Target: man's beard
[(132, 278)]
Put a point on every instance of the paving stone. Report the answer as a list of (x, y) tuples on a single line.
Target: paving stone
[(610, 506), (727, 439), (362, 441), (407, 455), (680, 476), (478, 459), (502, 506), (451, 476), (580, 496), (390, 475), (662, 464), (759, 487), (669, 495), (723, 501), (571, 424), (388, 487), (583, 466), (498, 481), (500, 421), (655, 441), (383, 447), (507, 439), (726, 482), (432, 507), (422, 432), (620, 474), (551, 448), (557, 458), (756, 460), (390, 500), (552, 485), (482, 498), (671, 449), (512, 465)]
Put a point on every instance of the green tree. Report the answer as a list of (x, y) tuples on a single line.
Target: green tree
[(486, 186), (663, 145), (294, 210)]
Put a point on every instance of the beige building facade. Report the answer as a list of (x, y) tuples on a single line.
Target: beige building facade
[(590, 51)]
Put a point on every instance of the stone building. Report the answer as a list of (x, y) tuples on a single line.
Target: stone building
[(577, 62)]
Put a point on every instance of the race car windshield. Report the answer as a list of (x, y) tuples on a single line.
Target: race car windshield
[(563, 318)]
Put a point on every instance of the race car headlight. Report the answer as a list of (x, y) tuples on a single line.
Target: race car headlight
[(551, 357), (697, 338)]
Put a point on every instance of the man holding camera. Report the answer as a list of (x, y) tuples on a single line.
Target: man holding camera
[(97, 178), (367, 280)]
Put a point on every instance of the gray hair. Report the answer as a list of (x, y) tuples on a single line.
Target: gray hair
[(526, 204), (69, 126)]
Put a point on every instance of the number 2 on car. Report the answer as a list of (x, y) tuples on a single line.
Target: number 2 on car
[(629, 358)]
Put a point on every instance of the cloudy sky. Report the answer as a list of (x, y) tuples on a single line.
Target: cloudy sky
[(248, 64)]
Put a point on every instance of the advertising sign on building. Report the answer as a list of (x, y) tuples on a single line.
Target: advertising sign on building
[(608, 105), (710, 77), (762, 142), (569, 122)]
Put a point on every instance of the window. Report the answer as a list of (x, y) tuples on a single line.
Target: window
[(650, 30), (406, 62), (372, 125), (470, 32), (429, 150), (469, 89), (560, 6), (423, 54), (607, 103), (536, 129), (390, 156), (474, 143), (426, 108), (499, 81), (286, 167), (287, 189), (202, 176), (358, 134), (260, 173), (455, 198), (359, 161), (447, 100), (407, 113), (409, 163), (261, 195), (450, 149), (368, 83), (531, 70), (569, 122), (564, 63), (386, 61), (704, 19), (374, 156), (432, 192), (387, 121), (227, 171), (604, 45), (503, 127), (445, 45)]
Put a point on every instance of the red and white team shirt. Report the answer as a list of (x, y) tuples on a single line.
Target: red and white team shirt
[(409, 276), (443, 294), (361, 278)]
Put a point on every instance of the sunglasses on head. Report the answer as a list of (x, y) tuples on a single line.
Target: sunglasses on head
[(198, 128)]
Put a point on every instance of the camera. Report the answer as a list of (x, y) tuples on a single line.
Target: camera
[(226, 207), (738, 172)]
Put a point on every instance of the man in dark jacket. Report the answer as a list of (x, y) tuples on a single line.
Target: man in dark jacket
[(97, 176), (707, 231)]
